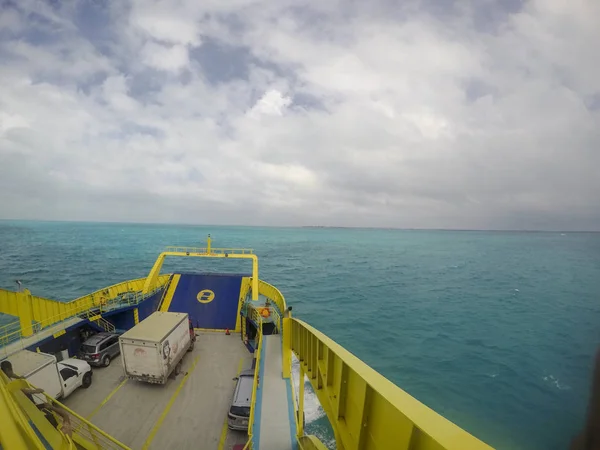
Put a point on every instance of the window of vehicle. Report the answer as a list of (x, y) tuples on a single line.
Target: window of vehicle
[(88, 348), (241, 411), (67, 373)]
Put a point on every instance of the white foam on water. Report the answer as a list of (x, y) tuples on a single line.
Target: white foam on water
[(551, 379), (312, 408)]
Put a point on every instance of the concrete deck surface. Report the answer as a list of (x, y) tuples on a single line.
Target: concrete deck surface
[(189, 415), (275, 427)]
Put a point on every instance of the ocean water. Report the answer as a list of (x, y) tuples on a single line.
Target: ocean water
[(494, 330)]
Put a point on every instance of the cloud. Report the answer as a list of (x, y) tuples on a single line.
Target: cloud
[(479, 115)]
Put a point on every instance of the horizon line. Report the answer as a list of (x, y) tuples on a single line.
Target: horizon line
[(115, 222)]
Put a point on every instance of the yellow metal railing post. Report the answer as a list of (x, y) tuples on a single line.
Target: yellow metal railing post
[(301, 402), (287, 348), (25, 312)]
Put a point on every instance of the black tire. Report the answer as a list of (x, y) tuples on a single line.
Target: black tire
[(87, 380), (106, 361), (191, 347), (177, 370)]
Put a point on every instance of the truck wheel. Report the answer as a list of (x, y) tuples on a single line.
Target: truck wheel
[(87, 380), (177, 370), (191, 347), (106, 361)]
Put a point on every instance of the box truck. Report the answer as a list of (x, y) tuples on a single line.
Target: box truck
[(155, 347), (57, 379)]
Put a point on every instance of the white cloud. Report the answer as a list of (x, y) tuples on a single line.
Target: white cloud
[(163, 57), (377, 117)]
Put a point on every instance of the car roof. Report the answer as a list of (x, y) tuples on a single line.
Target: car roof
[(243, 391), (98, 337)]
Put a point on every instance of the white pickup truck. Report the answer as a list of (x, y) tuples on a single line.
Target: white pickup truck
[(57, 379)]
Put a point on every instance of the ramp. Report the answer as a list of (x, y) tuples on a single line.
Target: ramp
[(276, 425), (211, 300)]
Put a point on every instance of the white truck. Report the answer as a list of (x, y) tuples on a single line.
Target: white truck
[(57, 379), (153, 349)]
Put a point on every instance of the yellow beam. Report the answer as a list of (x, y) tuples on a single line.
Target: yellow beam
[(170, 292), (151, 280), (365, 409), (301, 402)]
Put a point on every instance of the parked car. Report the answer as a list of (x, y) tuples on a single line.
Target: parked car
[(100, 349), (239, 411)]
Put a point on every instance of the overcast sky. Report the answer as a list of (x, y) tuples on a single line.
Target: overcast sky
[(485, 114)]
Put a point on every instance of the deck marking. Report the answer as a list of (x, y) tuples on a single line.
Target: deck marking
[(108, 397), (162, 417), (224, 429)]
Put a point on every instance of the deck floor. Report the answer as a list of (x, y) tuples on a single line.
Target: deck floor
[(181, 414), (275, 427)]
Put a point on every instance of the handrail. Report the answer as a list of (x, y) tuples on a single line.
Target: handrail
[(205, 252), (9, 337), (166, 286), (351, 393), (210, 250), (255, 385), (85, 432), (273, 294), (43, 312)]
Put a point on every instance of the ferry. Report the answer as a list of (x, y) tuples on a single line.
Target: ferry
[(232, 389)]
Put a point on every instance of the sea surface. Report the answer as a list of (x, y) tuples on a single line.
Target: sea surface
[(494, 330)]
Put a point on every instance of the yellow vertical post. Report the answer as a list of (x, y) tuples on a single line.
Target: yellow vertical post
[(208, 250), (25, 312), (254, 278), (301, 402), (136, 316), (287, 350)]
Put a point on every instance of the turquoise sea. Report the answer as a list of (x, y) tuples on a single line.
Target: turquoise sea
[(494, 330)]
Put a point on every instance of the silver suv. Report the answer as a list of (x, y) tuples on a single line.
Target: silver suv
[(100, 348), (239, 410)]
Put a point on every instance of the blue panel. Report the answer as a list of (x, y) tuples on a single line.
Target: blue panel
[(123, 320), (211, 300), (149, 305)]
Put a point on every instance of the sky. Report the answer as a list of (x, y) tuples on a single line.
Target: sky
[(473, 114)]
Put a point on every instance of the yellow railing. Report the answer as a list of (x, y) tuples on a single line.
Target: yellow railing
[(20, 416), (17, 340), (308, 442), (273, 294), (211, 250), (165, 291), (255, 384), (10, 333), (364, 408), (45, 312), (85, 433)]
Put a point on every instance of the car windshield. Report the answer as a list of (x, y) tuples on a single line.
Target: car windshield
[(70, 366), (240, 411), (88, 348)]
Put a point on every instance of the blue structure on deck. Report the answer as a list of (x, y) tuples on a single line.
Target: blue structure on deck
[(211, 300)]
